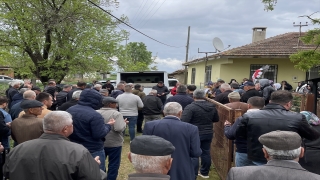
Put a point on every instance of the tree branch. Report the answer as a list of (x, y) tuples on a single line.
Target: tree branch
[(47, 45)]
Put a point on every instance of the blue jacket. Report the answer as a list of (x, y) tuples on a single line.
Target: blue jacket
[(89, 128), (182, 98), (184, 137), (15, 111), (15, 99), (230, 133)]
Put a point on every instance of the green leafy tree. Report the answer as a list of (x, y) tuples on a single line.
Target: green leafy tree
[(135, 57), (304, 59), (54, 38)]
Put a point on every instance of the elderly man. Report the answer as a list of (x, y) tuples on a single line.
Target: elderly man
[(28, 126), (181, 97), (282, 149), (89, 127), (74, 101), (184, 137), (16, 109), (104, 92), (46, 100), (202, 114), (62, 95), (223, 96), (13, 89), (120, 89), (249, 87), (114, 139), (274, 116), (52, 156), (97, 87), (234, 99), (128, 106), (254, 104), (162, 91), (151, 157), (152, 106)]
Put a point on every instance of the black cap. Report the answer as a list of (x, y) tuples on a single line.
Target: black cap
[(35, 88), (27, 104), (151, 146), (248, 83)]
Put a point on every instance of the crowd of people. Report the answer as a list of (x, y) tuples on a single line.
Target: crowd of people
[(69, 134)]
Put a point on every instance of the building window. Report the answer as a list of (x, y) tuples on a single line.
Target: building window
[(314, 73), (208, 73), (193, 76), (270, 74)]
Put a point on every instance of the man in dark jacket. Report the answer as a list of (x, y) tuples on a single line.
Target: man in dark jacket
[(89, 127), (4, 130), (74, 101), (108, 86), (274, 116), (183, 136), (16, 109), (202, 114), (190, 89), (223, 96), (152, 106), (266, 90), (138, 90), (162, 91), (62, 95), (120, 90), (18, 97), (249, 87), (53, 155), (181, 97), (13, 89), (80, 86), (286, 86)]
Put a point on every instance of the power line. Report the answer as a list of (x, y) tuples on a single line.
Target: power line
[(147, 12), (154, 13), (131, 26), (138, 12)]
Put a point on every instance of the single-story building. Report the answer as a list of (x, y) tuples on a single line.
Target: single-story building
[(243, 61), (178, 74)]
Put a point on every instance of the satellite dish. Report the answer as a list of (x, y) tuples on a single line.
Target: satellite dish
[(217, 43)]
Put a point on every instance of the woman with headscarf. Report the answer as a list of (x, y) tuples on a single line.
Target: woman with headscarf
[(311, 159), (302, 87), (277, 86)]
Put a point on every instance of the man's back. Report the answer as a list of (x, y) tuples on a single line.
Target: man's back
[(271, 118), (151, 105), (275, 170), (26, 128), (184, 137), (51, 157), (182, 98), (129, 104)]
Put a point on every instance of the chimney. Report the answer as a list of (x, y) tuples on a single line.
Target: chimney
[(259, 33)]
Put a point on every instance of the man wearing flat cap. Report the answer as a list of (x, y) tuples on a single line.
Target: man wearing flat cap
[(282, 149), (114, 139), (249, 87), (28, 126), (151, 158), (234, 99)]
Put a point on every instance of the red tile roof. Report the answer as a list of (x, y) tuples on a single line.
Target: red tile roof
[(282, 45)]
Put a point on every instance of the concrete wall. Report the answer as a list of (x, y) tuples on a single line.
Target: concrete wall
[(238, 69)]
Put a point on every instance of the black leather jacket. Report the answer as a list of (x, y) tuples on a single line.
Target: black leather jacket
[(271, 118)]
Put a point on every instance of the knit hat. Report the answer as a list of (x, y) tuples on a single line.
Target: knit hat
[(234, 95)]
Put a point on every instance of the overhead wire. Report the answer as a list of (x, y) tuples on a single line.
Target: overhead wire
[(147, 12), (94, 4), (144, 2), (153, 13)]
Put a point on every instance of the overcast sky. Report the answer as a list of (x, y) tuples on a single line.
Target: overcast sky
[(230, 20)]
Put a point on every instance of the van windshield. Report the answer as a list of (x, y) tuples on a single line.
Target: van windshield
[(144, 79)]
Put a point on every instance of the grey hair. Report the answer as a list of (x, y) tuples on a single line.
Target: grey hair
[(199, 94), (153, 92), (127, 88), (172, 108), (13, 83), (181, 89), (283, 154), (55, 121), (97, 86), (104, 90), (22, 90), (148, 164), (119, 85), (76, 94), (225, 86), (29, 94)]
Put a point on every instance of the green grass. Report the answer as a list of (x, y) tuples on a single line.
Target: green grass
[(127, 168)]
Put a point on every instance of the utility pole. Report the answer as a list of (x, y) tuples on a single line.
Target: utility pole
[(300, 26), (205, 67), (187, 52)]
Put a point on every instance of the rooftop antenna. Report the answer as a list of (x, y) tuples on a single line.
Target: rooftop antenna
[(219, 47), (300, 26)]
